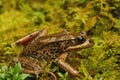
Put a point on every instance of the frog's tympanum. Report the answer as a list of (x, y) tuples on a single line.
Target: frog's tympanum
[(55, 47)]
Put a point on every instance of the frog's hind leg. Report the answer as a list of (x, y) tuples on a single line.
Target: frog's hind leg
[(40, 34), (30, 66), (25, 40)]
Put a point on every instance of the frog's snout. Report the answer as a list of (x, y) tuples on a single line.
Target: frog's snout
[(91, 42)]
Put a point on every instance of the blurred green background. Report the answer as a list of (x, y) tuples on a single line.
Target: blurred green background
[(99, 18)]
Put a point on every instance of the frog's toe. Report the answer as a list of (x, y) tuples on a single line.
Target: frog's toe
[(53, 76)]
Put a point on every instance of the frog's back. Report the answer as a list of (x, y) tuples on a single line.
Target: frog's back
[(49, 47), (49, 51)]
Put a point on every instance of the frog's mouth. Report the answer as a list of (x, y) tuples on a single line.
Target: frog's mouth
[(86, 44)]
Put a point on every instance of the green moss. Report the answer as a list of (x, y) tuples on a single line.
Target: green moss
[(97, 17)]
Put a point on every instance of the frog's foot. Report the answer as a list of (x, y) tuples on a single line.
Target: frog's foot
[(33, 72), (61, 62), (25, 40)]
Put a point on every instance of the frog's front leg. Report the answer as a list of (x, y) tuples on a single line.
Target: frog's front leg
[(61, 62)]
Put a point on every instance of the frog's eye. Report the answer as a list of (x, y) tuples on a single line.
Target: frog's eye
[(81, 39)]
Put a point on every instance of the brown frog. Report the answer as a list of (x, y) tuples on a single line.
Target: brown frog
[(55, 47)]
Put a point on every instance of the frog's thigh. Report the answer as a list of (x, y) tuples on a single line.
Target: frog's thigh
[(61, 62), (29, 37), (40, 34)]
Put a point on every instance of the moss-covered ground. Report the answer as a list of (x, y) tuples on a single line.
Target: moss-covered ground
[(99, 18)]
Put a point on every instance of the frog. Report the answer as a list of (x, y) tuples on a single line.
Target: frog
[(40, 46)]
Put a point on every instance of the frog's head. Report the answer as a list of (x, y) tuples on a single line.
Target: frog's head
[(81, 41)]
